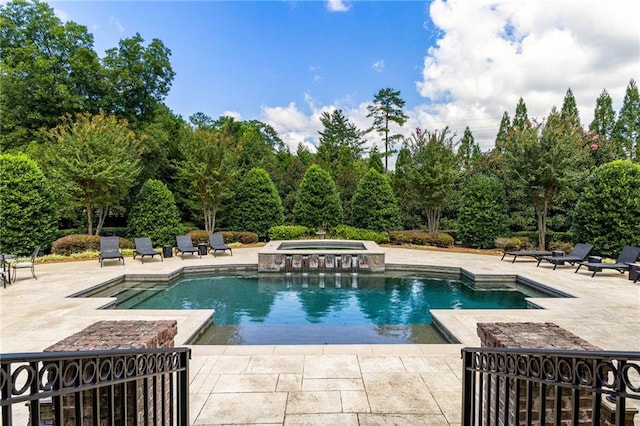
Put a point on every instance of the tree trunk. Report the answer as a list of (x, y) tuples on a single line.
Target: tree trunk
[(103, 211), (542, 224), (89, 208), (433, 218)]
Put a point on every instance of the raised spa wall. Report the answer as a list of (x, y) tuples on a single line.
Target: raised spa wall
[(321, 256)]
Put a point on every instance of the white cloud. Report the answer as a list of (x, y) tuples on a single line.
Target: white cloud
[(491, 53), (233, 114), (115, 22), (61, 14), (378, 66), (337, 6)]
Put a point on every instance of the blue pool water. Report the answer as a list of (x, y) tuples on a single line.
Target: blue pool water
[(253, 308)]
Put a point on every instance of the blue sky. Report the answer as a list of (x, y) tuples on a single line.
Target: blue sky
[(456, 62)]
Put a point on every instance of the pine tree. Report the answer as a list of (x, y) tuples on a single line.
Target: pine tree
[(569, 111), (503, 132), (600, 136), (386, 109), (627, 129), (469, 151), (521, 119)]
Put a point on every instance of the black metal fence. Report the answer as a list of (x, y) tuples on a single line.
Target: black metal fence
[(507, 386), (114, 387)]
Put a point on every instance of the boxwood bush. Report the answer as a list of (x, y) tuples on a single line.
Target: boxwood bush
[(288, 232), (345, 232), (421, 238)]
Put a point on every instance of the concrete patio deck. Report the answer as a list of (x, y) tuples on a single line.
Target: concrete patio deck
[(316, 384)]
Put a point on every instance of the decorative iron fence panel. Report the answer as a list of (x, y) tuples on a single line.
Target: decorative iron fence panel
[(113, 387), (509, 386)]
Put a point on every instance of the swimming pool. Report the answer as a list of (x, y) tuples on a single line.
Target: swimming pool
[(252, 308)]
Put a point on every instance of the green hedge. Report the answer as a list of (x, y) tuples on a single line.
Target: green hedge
[(421, 238), (77, 243), (288, 232), (345, 232), (200, 236), (552, 237)]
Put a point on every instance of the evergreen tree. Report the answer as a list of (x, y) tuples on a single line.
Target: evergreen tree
[(257, 205), (154, 214), (338, 132), (521, 118), (569, 111), (386, 109), (503, 132), (317, 202), (374, 206), (483, 214), (410, 209), (627, 128), (28, 215), (600, 136), (607, 212), (468, 151), (375, 160)]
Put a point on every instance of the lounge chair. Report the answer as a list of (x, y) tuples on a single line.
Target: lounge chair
[(216, 243), (629, 254), (26, 264), (516, 254), (184, 244), (110, 249), (578, 254), (144, 248)]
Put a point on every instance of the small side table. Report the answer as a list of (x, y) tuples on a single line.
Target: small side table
[(594, 259), (202, 248), (558, 253), (167, 251), (634, 272)]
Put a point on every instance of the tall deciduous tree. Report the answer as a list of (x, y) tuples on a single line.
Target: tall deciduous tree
[(545, 159), (96, 157), (434, 169), (317, 202), (208, 168), (387, 109), (257, 205), (48, 69), (374, 206), (138, 77), (627, 128)]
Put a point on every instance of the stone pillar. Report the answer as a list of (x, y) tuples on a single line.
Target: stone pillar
[(530, 336), (108, 335)]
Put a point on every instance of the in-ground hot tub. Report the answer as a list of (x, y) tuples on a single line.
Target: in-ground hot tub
[(320, 256)]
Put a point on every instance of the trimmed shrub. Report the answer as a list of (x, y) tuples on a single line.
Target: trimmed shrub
[(154, 214), (373, 205), (244, 237), (558, 245), (421, 238), (318, 203), (607, 214), (513, 243), (483, 214), (78, 243), (288, 232), (198, 236), (345, 232), (28, 214), (257, 205)]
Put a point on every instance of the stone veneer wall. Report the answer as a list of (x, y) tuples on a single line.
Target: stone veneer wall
[(531, 336), (106, 335)]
